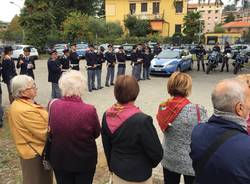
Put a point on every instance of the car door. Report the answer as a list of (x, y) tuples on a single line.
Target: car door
[(184, 60)]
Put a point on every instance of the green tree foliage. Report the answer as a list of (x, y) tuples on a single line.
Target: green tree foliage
[(97, 27), (114, 29), (37, 22), (101, 9), (229, 18), (192, 25), (137, 27), (14, 31), (219, 29)]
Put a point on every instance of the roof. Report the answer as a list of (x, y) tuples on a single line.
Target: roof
[(236, 24)]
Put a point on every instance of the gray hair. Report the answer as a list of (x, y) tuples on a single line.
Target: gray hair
[(19, 83), (72, 83), (227, 94)]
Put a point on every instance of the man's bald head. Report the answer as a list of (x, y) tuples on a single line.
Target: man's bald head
[(227, 94)]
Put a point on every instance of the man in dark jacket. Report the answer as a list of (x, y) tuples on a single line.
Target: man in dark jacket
[(1, 108), (121, 60), (200, 53), (111, 61), (91, 58), (54, 69), (64, 60), (74, 58), (26, 63), (157, 49), (229, 162), (8, 70), (147, 57), (134, 63), (100, 61), (227, 51)]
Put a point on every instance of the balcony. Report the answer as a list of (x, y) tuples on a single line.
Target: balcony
[(148, 16)]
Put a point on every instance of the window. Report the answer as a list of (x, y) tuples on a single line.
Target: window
[(216, 11), (132, 8), (216, 18), (177, 28), (209, 11), (144, 7), (209, 18), (156, 7), (178, 7)]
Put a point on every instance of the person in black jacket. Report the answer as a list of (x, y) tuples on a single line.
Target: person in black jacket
[(54, 69), (8, 70), (157, 49), (91, 58), (26, 63), (110, 57), (64, 60), (131, 144), (100, 61), (227, 50), (1, 108), (147, 57), (74, 58), (139, 60), (121, 60), (134, 63), (200, 53)]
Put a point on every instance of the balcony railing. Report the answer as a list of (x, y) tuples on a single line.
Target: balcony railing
[(147, 16)]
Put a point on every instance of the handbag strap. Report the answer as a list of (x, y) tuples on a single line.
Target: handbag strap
[(212, 149), (198, 113)]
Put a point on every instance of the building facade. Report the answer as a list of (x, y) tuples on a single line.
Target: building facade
[(242, 15), (165, 16), (210, 13)]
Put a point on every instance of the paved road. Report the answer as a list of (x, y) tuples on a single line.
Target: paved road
[(152, 92)]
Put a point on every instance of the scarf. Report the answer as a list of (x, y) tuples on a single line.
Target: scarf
[(118, 114), (231, 117), (169, 110)]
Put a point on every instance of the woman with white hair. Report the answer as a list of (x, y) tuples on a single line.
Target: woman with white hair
[(74, 127), (29, 123)]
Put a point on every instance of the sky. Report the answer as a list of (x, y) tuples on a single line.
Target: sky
[(8, 10)]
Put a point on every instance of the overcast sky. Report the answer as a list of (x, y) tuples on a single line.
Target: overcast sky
[(8, 10)]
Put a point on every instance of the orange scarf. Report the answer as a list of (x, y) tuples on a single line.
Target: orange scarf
[(169, 110)]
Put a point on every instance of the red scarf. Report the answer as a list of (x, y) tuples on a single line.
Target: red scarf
[(169, 110)]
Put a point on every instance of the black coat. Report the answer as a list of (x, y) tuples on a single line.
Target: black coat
[(8, 69), (54, 70), (200, 51), (134, 57), (157, 50), (227, 49), (24, 66), (65, 62), (147, 60), (92, 59), (121, 58), (100, 60), (74, 60), (216, 48), (133, 149), (110, 57)]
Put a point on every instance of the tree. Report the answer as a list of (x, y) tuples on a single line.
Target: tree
[(137, 27), (229, 18), (101, 10), (192, 25), (114, 29), (219, 29), (14, 31), (230, 7), (97, 27)]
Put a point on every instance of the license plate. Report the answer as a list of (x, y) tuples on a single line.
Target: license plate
[(157, 69)]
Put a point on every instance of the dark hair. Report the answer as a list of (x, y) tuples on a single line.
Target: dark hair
[(126, 89), (26, 49), (7, 50)]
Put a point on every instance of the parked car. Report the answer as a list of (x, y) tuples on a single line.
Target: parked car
[(59, 48), (128, 49), (240, 48), (171, 60), (81, 49), (18, 50)]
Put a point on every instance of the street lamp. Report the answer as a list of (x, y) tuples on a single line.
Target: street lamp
[(23, 34)]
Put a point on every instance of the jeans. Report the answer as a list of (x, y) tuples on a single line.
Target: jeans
[(139, 71), (145, 73), (99, 78), (200, 59), (56, 92), (1, 108), (135, 72), (65, 177), (11, 99), (174, 178), (121, 71), (224, 62), (91, 79), (110, 75)]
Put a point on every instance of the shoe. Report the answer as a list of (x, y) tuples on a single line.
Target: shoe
[(1, 124), (112, 84), (100, 87), (94, 88), (106, 85), (148, 79)]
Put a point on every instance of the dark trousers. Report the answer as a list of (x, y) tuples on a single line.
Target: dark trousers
[(56, 92), (225, 62), (139, 71), (11, 99), (200, 59), (145, 73), (135, 72), (174, 178), (121, 70), (64, 177), (99, 78), (1, 107), (91, 79), (110, 75)]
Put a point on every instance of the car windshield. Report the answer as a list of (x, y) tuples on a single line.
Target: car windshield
[(82, 46), (60, 46), (167, 54), (128, 47)]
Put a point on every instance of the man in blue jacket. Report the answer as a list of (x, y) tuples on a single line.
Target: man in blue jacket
[(229, 163)]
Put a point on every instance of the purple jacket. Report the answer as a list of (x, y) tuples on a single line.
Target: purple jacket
[(74, 128)]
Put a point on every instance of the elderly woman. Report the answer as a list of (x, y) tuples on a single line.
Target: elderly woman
[(246, 78), (29, 123), (177, 118), (74, 128), (130, 141)]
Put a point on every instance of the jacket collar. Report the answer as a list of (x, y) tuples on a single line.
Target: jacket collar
[(72, 98), (218, 121)]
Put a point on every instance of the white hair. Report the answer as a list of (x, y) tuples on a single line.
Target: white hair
[(227, 94), (72, 83), (19, 83)]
